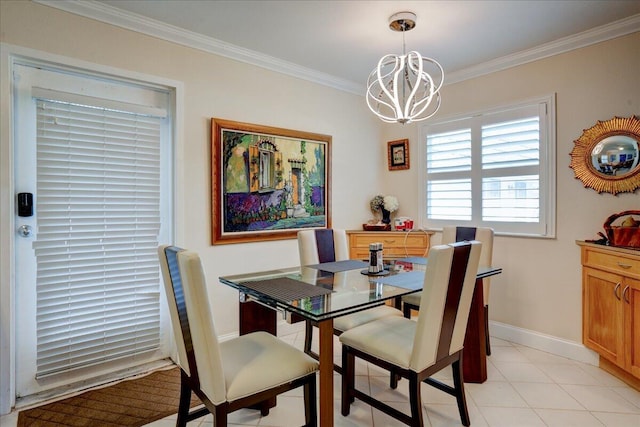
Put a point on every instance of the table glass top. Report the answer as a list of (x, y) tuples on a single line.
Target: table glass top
[(334, 289)]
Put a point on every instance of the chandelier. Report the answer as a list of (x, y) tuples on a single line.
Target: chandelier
[(400, 89)]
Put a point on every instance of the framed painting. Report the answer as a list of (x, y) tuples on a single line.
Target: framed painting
[(398, 154), (267, 183)]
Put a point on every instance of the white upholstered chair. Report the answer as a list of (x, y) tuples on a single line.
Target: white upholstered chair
[(330, 245), (417, 349), (238, 373), (451, 234)]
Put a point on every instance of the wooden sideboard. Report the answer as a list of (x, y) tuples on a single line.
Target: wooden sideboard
[(611, 308), (395, 244)]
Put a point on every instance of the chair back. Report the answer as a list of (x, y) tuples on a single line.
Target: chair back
[(451, 234), (446, 302), (322, 245), (194, 331)]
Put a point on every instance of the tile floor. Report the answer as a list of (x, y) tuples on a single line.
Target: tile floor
[(525, 387)]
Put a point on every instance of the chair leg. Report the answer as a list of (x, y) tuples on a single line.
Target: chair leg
[(393, 380), (348, 380), (185, 400), (264, 408), (486, 329), (310, 404), (415, 401), (406, 310), (458, 384), (308, 336), (220, 416)]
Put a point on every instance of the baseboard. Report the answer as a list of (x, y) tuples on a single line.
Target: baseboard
[(548, 343)]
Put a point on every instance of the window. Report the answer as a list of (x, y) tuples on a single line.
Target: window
[(493, 169)]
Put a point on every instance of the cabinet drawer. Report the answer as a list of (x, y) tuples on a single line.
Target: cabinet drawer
[(395, 244), (614, 262), (362, 253), (413, 240)]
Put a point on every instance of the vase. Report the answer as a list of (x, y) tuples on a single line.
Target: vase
[(386, 216)]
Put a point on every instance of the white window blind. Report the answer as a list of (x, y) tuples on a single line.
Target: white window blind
[(493, 169), (98, 223)]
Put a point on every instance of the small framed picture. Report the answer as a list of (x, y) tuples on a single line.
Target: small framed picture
[(398, 154)]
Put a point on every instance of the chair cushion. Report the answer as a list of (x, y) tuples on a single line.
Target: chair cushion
[(260, 361), (413, 299), (389, 338), (350, 321)]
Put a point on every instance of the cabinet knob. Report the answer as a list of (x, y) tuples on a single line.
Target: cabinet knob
[(620, 264), (625, 294), (615, 291)]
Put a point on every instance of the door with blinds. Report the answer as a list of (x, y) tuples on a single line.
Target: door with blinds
[(93, 152)]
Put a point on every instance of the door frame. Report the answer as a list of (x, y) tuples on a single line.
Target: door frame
[(9, 55)]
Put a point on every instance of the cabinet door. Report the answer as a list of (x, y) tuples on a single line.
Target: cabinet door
[(631, 299), (603, 314)]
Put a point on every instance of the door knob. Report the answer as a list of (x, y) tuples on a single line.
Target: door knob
[(25, 231)]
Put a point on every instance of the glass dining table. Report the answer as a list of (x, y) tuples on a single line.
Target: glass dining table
[(322, 292)]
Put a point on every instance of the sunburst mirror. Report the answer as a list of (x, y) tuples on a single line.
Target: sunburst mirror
[(606, 156)]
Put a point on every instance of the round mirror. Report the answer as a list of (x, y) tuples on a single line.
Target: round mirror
[(615, 156), (607, 156)]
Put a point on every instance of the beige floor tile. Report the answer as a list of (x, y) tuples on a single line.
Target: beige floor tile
[(508, 354), (546, 396), (493, 374), (601, 399), (449, 416), (539, 356), (360, 414), (628, 393), (563, 373), (497, 342), (618, 420), (602, 376), (521, 372), (566, 418), (511, 417), (495, 394)]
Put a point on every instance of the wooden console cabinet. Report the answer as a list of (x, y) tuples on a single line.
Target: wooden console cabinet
[(611, 308), (395, 244)]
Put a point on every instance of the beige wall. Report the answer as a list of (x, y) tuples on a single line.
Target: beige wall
[(540, 287), (223, 88)]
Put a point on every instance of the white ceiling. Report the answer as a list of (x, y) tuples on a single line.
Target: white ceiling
[(345, 39)]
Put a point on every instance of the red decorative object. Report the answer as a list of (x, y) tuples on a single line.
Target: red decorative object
[(627, 233)]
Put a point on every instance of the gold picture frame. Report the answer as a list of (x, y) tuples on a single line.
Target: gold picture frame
[(267, 183), (398, 154), (606, 157)]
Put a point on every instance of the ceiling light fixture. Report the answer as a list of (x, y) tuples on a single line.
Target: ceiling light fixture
[(400, 90)]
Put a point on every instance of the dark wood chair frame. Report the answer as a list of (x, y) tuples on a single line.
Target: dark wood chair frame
[(349, 392), (406, 311), (191, 383)]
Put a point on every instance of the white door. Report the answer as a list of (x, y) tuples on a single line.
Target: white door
[(32, 83)]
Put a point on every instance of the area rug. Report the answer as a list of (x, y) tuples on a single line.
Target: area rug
[(134, 402)]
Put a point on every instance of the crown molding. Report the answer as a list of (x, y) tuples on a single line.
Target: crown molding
[(586, 38), (134, 22), (130, 21)]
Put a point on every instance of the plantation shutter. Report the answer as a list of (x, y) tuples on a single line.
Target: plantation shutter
[(514, 147), (98, 221), (448, 180)]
